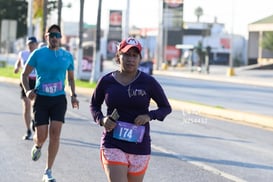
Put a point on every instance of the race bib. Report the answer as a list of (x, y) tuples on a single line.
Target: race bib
[(128, 132), (52, 88)]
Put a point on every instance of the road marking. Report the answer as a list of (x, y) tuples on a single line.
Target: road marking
[(199, 164)]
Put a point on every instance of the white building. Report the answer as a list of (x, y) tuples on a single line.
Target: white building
[(221, 43), (256, 54)]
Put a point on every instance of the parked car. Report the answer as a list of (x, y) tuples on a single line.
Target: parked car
[(146, 67)]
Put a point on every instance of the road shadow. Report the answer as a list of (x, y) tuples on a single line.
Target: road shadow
[(78, 143), (214, 161), (10, 113), (199, 136)]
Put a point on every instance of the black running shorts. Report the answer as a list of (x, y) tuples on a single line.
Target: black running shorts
[(47, 108), (31, 86)]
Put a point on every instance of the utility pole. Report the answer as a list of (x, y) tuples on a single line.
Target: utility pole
[(96, 62), (44, 19), (230, 70), (159, 48), (126, 27), (80, 51), (29, 22), (60, 5), (165, 32)]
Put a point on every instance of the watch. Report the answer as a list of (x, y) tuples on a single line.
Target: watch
[(74, 95)]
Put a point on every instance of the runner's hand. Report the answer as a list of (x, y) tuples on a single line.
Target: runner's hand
[(31, 94), (75, 102), (142, 119), (108, 123)]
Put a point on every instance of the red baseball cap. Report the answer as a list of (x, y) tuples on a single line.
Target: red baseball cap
[(128, 43)]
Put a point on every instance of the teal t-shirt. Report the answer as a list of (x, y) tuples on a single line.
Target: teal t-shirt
[(51, 67)]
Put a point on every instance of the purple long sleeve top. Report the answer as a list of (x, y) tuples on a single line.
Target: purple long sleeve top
[(130, 101)]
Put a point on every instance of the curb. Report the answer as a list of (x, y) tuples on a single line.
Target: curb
[(9, 80), (234, 115)]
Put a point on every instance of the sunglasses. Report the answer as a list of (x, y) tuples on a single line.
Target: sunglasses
[(58, 35)]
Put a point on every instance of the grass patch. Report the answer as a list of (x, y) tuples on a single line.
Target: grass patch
[(85, 84), (219, 107), (8, 72)]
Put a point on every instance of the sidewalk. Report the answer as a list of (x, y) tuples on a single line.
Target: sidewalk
[(219, 73)]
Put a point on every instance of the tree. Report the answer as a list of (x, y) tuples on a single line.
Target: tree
[(198, 12), (15, 10), (38, 8), (42, 8), (267, 42)]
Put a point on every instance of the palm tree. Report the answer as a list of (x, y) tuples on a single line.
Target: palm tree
[(198, 13), (40, 12), (38, 8)]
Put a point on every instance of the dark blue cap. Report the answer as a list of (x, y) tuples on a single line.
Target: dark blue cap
[(31, 40)]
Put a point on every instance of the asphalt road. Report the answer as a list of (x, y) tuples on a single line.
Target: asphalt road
[(241, 97), (185, 147)]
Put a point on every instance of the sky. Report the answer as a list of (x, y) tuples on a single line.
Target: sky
[(235, 14)]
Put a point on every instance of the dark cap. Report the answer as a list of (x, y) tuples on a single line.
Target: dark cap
[(54, 26), (31, 40)]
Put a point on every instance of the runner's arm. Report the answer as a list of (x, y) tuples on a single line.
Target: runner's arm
[(24, 77), (71, 83), (17, 65)]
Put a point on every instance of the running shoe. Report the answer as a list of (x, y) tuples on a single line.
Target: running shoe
[(27, 135), (35, 153), (47, 177)]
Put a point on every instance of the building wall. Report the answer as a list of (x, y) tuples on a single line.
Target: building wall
[(213, 35), (253, 41), (256, 54)]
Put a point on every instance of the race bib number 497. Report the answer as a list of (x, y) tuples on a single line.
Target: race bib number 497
[(52, 87)]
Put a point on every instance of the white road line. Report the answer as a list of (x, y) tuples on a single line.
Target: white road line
[(199, 164)]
